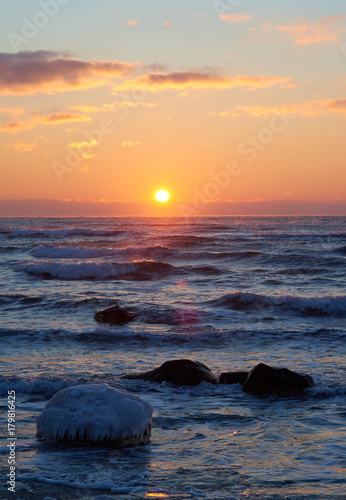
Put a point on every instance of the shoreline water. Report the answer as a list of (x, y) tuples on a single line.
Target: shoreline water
[(239, 291)]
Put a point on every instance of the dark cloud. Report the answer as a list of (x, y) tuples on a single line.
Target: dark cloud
[(47, 72)]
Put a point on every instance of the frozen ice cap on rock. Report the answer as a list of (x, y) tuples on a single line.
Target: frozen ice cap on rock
[(96, 414)]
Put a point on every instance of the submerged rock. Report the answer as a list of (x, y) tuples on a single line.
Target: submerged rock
[(115, 315), (178, 372), (264, 380), (96, 414), (233, 378)]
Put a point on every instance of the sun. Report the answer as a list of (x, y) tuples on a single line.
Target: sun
[(162, 196)]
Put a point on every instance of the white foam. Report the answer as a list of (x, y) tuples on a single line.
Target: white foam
[(96, 413), (323, 305), (92, 270)]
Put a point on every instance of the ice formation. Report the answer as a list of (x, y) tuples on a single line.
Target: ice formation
[(96, 414)]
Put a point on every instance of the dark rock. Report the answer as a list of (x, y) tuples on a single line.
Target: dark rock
[(115, 315), (178, 372), (233, 378), (263, 380)]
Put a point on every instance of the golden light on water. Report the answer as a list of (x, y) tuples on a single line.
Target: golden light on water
[(156, 495), (162, 196)]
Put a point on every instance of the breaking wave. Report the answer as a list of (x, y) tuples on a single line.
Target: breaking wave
[(144, 270), (308, 305), (91, 253)]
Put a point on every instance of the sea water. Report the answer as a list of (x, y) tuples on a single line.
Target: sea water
[(227, 291)]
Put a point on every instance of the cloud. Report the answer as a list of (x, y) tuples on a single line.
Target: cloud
[(131, 104), (63, 117), (81, 145), (199, 80), (12, 111), (240, 17), (29, 73), (133, 22), (42, 137), (106, 108), (334, 19), (13, 127), (167, 25), (304, 109), (131, 144), (313, 33), (88, 109), (37, 119), (85, 148), (21, 146)]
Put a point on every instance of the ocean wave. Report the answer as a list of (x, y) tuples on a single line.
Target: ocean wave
[(66, 232), (154, 314), (341, 250), (241, 255), (9, 249), (298, 235), (143, 270), (189, 241), (308, 305), (328, 392), (47, 386), (207, 270), (124, 486), (71, 252), (19, 300), (262, 237), (35, 385), (90, 253)]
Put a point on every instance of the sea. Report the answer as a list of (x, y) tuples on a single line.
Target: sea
[(230, 292)]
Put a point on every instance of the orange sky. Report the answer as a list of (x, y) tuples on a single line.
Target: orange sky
[(222, 108)]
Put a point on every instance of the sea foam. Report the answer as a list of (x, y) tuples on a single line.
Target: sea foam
[(312, 305), (143, 270)]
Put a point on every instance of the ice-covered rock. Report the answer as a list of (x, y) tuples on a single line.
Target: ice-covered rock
[(96, 414)]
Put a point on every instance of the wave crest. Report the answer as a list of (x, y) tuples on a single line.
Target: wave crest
[(48, 252), (143, 270), (307, 305)]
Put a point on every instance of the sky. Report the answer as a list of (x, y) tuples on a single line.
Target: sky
[(232, 106)]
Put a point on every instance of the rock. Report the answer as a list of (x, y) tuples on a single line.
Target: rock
[(233, 378), (115, 315), (263, 380), (96, 414), (178, 372)]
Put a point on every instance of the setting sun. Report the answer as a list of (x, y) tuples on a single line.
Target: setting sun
[(162, 196)]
